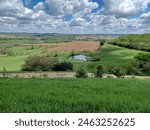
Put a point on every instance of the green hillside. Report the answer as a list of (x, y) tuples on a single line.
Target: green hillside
[(133, 41)]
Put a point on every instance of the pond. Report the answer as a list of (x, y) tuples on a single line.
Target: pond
[(80, 57)]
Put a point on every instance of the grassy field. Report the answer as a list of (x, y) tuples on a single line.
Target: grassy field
[(109, 55), (16, 53), (68, 95), (74, 95)]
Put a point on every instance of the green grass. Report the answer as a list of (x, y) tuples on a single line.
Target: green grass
[(110, 55), (74, 95), (11, 63), (114, 55)]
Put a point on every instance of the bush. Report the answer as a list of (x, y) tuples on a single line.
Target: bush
[(133, 70), (63, 66), (38, 63), (92, 67), (94, 57), (100, 71), (143, 62), (116, 71), (81, 73), (72, 53), (6, 52), (102, 42)]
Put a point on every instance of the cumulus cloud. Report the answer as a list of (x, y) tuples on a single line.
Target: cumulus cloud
[(59, 7), (125, 8), (48, 16)]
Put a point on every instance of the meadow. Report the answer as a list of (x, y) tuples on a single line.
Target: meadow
[(74, 95)]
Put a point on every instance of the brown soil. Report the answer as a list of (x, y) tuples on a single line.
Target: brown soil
[(75, 46), (69, 46)]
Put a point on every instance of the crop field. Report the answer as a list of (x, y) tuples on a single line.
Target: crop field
[(74, 95)]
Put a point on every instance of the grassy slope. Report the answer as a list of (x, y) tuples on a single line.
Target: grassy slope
[(113, 55), (74, 95), (110, 55)]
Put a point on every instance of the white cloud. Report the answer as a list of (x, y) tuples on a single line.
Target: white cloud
[(125, 8), (39, 6), (60, 7), (14, 16)]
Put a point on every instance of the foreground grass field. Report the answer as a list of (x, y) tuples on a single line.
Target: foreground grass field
[(74, 95)]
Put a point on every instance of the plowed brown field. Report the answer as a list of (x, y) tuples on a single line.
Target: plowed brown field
[(75, 46)]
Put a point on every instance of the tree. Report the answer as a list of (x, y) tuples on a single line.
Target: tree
[(100, 71), (37, 63)]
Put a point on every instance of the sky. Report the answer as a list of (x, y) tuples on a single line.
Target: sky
[(75, 16)]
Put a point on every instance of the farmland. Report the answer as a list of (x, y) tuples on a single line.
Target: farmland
[(74, 95), (14, 51), (28, 93)]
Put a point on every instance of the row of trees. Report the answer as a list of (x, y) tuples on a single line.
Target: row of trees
[(133, 41)]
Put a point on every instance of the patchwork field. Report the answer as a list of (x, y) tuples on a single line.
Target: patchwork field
[(18, 49)]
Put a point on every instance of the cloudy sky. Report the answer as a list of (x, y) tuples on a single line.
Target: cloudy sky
[(75, 16)]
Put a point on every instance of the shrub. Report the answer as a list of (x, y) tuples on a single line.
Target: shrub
[(92, 67), (116, 71), (143, 62), (102, 42), (81, 73), (6, 52), (133, 70), (63, 66), (37, 63), (72, 53), (100, 71), (94, 56)]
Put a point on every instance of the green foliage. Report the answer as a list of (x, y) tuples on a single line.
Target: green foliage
[(63, 66), (132, 41), (81, 73), (100, 71), (145, 57), (143, 62), (116, 71), (132, 69), (39, 63), (7, 52), (94, 56), (72, 53), (102, 42), (92, 67)]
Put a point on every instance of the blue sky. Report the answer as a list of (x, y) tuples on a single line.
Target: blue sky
[(75, 16)]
